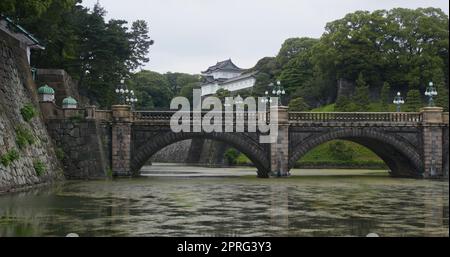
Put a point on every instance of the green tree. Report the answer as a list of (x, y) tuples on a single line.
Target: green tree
[(293, 47), (231, 155), (361, 97), (413, 101), (152, 90), (179, 80), (400, 46), (442, 97), (340, 151), (23, 9), (268, 70), (385, 96), (187, 90), (222, 94), (140, 43), (417, 45), (345, 104), (298, 105), (95, 52)]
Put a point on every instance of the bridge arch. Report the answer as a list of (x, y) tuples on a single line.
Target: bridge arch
[(401, 157), (240, 141)]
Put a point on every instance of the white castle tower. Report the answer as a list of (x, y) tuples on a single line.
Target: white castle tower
[(226, 75)]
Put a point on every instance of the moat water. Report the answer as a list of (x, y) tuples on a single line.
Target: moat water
[(172, 200)]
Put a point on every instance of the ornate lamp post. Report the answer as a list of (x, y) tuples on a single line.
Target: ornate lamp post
[(398, 100), (121, 92), (266, 98), (430, 92), (126, 96), (277, 90), (131, 99)]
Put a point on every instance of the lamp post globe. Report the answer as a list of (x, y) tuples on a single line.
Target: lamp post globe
[(431, 92), (398, 100), (125, 95), (277, 90)]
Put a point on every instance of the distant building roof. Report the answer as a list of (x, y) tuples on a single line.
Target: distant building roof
[(226, 65), (19, 33), (222, 81), (242, 77)]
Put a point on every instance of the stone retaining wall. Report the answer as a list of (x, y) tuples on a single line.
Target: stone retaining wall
[(85, 146), (18, 89)]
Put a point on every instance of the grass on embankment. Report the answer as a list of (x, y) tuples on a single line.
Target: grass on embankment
[(323, 157), (372, 107)]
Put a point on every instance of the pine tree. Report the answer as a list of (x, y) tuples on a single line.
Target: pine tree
[(298, 105), (385, 96), (413, 101), (345, 104), (361, 97), (442, 97)]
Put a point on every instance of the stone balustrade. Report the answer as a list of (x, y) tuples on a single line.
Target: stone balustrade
[(165, 116), (51, 111), (400, 117)]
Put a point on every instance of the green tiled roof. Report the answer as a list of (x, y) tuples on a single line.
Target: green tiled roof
[(69, 100), (45, 89)]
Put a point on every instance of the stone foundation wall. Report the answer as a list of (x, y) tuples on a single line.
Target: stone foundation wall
[(18, 89), (85, 147), (193, 151), (445, 146)]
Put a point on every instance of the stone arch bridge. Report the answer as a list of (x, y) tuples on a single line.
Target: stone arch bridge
[(411, 144)]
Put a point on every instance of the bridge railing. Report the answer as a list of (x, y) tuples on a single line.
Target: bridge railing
[(103, 115), (398, 117), (165, 116), (405, 117), (152, 115)]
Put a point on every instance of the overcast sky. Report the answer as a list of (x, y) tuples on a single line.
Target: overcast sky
[(191, 35)]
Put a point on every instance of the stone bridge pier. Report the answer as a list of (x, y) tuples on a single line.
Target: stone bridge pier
[(279, 150), (435, 142), (121, 140)]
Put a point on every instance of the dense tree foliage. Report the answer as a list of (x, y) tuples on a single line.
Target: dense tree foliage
[(298, 105), (402, 47), (390, 50), (385, 97), (155, 90), (413, 101), (442, 97), (79, 40), (222, 94), (152, 89), (177, 81), (22, 10), (361, 97)]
